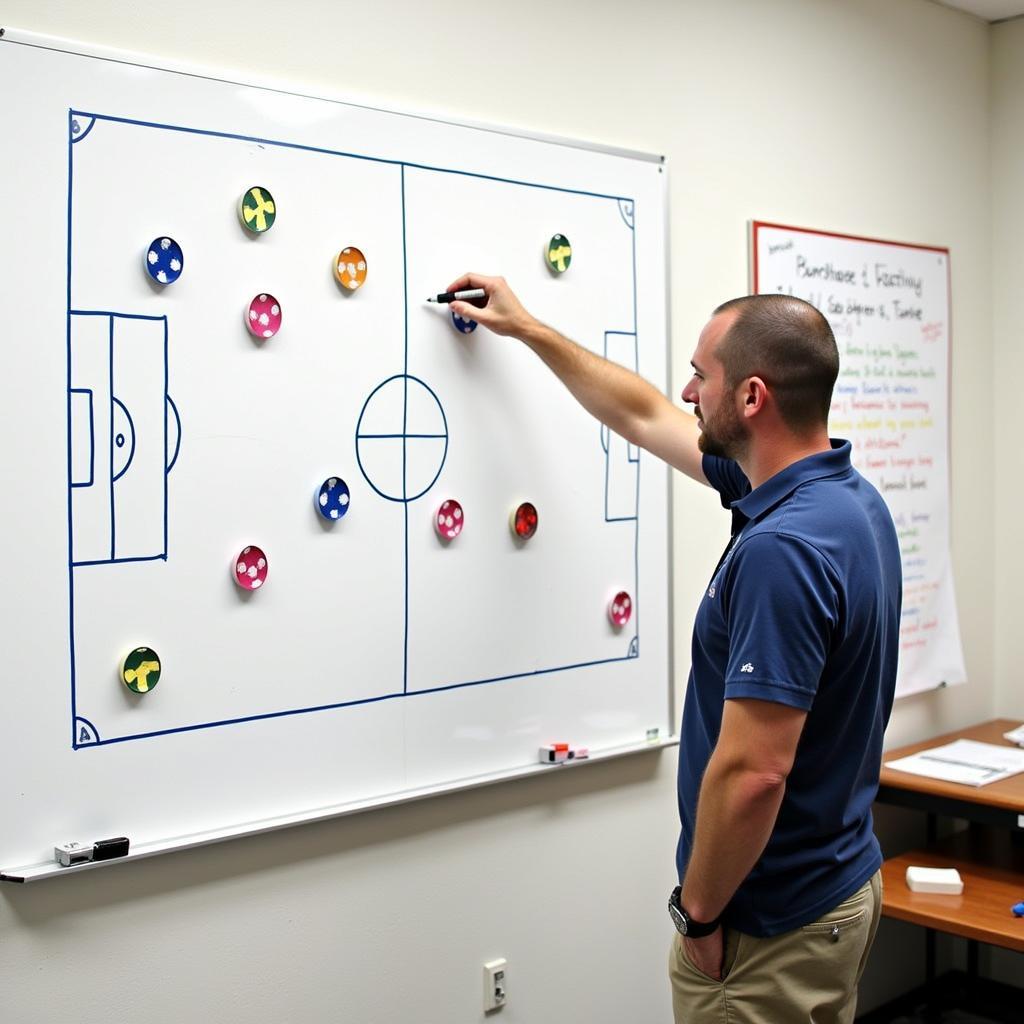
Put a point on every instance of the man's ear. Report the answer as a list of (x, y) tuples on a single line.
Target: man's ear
[(754, 394)]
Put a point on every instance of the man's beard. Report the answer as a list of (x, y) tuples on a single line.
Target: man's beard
[(726, 437)]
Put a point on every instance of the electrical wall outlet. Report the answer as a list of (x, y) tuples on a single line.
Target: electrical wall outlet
[(495, 993)]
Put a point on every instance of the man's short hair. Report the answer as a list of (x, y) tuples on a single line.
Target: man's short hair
[(790, 345)]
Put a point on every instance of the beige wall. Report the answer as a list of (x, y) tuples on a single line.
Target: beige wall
[(864, 116), (871, 118), (1008, 335)]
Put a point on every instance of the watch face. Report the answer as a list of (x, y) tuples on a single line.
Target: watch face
[(675, 912)]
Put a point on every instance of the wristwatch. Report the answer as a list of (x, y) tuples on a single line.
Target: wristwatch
[(685, 924)]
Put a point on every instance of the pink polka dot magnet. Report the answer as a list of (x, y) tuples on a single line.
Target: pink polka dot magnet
[(621, 609), (250, 569), (449, 519), (263, 318)]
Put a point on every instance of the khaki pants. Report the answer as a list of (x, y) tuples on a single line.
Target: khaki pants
[(806, 976)]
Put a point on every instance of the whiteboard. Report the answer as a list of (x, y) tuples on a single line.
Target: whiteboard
[(889, 307), (150, 439)]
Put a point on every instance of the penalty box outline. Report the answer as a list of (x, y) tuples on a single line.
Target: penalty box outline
[(84, 734)]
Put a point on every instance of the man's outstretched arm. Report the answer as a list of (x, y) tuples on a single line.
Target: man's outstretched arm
[(621, 399)]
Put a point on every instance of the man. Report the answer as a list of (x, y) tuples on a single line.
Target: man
[(793, 660)]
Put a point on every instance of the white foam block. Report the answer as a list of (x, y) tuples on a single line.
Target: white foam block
[(940, 880)]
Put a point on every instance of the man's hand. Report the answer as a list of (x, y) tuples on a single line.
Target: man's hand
[(706, 954), (502, 313)]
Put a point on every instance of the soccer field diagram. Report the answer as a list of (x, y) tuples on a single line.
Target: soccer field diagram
[(189, 440)]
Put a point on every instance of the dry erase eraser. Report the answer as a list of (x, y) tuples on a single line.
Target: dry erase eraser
[(108, 849), (69, 854), (579, 753), (936, 880)]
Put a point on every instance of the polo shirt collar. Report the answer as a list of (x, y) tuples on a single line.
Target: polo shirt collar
[(780, 486)]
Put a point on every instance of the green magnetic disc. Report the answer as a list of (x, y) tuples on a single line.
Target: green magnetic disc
[(558, 254), (257, 210), (140, 670)]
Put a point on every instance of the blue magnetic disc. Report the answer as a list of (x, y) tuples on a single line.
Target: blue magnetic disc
[(463, 325), (332, 498), (164, 260)]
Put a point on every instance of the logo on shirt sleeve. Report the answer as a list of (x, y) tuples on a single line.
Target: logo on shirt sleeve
[(748, 667)]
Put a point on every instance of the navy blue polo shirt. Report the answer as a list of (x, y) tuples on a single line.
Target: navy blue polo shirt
[(803, 610)]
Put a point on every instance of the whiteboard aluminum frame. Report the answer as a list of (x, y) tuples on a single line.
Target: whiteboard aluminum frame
[(51, 869), (41, 41), (673, 709)]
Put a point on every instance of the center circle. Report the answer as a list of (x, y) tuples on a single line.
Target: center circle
[(401, 438)]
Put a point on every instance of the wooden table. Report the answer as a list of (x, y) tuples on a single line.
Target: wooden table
[(989, 854), (1000, 803)]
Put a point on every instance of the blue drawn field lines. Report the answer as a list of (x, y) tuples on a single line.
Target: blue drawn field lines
[(120, 362), (125, 437)]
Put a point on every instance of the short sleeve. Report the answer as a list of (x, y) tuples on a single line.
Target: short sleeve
[(726, 477), (781, 602)]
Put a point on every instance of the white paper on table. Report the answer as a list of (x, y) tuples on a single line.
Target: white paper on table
[(965, 761), (1015, 735)]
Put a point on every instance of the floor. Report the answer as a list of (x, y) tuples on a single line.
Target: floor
[(953, 998)]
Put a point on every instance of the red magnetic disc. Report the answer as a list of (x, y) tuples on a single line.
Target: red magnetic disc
[(524, 520)]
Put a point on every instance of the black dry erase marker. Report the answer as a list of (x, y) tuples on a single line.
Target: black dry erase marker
[(469, 293)]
